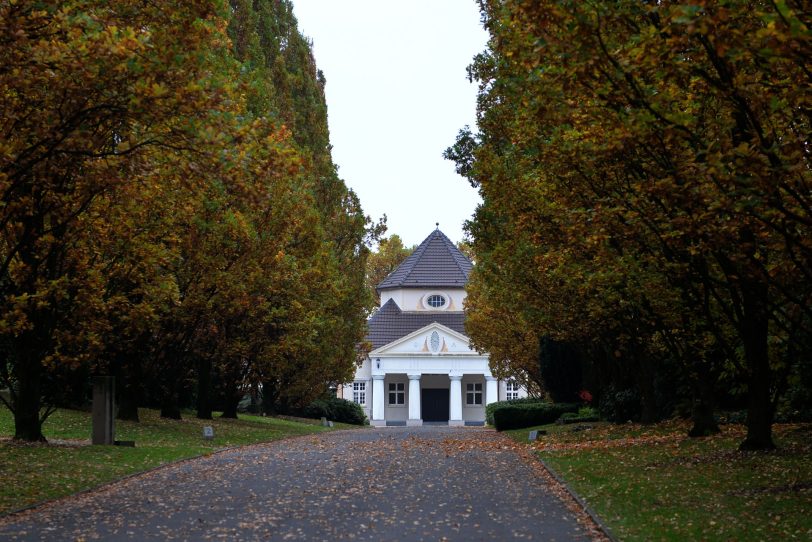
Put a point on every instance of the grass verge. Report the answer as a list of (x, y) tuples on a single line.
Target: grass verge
[(33, 473), (654, 483)]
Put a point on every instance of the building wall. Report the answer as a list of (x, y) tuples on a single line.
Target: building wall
[(473, 413), (410, 356), (362, 374), (398, 413), (503, 391), (413, 299)]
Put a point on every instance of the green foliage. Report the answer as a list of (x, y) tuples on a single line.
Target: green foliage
[(634, 201), (587, 412), (584, 415), (337, 410), (620, 406), (519, 415), (496, 405), (382, 262), (171, 212)]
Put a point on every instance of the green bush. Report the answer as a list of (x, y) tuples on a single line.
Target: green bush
[(588, 412), (620, 406), (584, 415), (516, 416), (337, 410), (491, 408)]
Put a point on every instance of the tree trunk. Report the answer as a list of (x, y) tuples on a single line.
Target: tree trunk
[(754, 330), (269, 395), (127, 394), (648, 395), (702, 411), (28, 395), (204, 407), (127, 406), (170, 407), (230, 407)]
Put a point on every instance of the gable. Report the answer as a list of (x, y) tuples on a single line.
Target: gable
[(433, 339)]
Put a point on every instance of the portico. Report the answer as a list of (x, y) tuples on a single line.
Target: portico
[(420, 398)]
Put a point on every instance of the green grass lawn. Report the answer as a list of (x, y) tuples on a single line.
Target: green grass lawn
[(653, 483), (33, 473)]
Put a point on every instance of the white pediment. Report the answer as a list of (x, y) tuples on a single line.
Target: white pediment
[(433, 340)]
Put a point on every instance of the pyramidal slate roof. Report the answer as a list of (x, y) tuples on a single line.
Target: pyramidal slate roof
[(435, 263), (390, 323)]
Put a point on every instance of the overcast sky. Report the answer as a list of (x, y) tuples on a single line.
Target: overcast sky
[(397, 94)]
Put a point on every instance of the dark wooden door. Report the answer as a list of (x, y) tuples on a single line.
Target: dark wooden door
[(434, 404)]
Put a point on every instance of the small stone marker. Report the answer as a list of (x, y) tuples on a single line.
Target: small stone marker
[(324, 422), (208, 432), (533, 436), (329, 424)]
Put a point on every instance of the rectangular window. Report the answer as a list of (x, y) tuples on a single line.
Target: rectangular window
[(359, 392), (512, 390), (473, 394), (397, 393)]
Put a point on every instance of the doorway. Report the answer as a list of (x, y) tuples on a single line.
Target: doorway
[(434, 404)]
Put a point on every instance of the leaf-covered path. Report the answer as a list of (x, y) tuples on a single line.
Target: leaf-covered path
[(429, 483)]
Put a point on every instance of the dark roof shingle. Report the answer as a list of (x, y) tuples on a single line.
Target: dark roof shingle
[(390, 323), (436, 262)]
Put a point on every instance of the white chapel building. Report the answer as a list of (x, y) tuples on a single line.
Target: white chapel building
[(421, 369)]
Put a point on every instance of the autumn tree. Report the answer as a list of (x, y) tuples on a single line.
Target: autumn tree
[(651, 161), (315, 303), (88, 87), (390, 254)]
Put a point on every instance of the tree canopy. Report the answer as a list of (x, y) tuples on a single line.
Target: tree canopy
[(390, 254), (170, 210), (645, 175)]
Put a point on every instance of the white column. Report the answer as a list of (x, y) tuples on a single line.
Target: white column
[(414, 400), (491, 389), (378, 416), (455, 401)]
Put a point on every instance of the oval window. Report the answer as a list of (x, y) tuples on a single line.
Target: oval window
[(435, 301)]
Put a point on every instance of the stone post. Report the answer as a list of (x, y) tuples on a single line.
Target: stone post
[(104, 410)]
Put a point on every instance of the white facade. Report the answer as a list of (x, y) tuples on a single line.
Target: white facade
[(432, 364), (416, 299)]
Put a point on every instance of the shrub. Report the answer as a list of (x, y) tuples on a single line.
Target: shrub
[(584, 415), (516, 416), (337, 410), (588, 412), (620, 406), (491, 408)]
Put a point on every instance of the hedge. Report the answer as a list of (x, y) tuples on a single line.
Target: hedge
[(491, 408), (337, 410), (520, 415)]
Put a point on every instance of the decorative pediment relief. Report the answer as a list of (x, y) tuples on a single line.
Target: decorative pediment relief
[(434, 339)]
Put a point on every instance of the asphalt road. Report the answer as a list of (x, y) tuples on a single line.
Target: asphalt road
[(427, 483)]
